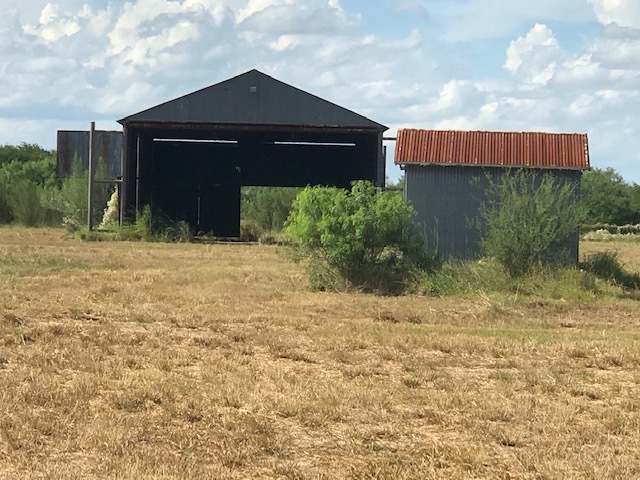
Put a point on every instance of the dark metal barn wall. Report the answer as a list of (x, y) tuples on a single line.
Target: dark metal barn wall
[(448, 198), (128, 200)]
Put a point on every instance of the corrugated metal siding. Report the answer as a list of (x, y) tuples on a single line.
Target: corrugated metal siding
[(107, 150), (511, 149), (448, 200)]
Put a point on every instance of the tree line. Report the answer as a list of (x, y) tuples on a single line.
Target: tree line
[(608, 199)]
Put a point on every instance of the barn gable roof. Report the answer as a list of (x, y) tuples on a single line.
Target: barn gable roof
[(492, 149), (253, 98)]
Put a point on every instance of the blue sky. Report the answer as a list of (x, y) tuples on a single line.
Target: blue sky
[(525, 65)]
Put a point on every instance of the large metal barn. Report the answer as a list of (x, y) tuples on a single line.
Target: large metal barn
[(189, 157)]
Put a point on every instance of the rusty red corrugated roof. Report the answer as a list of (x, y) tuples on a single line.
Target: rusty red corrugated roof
[(509, 149)]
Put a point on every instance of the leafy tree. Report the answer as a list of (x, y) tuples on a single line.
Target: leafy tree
[(398, 185), (634, 202), (31, 193), (607, 198), (364, 238), (23, 153), (25, 172), (528, 219)]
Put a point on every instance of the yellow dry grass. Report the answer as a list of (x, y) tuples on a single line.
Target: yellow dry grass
[(136, 360)]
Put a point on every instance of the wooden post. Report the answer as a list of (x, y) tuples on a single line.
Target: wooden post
[(90, 175)]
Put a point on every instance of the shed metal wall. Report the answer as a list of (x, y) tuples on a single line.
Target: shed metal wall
[(107, 150), (448, 199)]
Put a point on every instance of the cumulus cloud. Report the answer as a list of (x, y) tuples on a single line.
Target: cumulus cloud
[(625, 13), (52, 26), (534, 56), (288, 17)]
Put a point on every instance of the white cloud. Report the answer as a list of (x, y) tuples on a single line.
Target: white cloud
[(256, 6), (284, 42), (280, 17), (581, 70), (625, 13), (534, 56), (52, 26), (618, 47), (455, 95)]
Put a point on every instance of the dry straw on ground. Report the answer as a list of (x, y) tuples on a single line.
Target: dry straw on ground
[(136, 360)]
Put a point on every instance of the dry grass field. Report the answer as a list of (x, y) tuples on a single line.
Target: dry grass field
[(162, 361)]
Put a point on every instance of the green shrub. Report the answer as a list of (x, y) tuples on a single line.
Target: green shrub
[(71, 201), (605, 265), (6, 216), (528, 219), (27, 173), (141, 229), (264, 209), (164, 229), (152, 227), (250, 231), (359, 238), (457, 277), (23, 198)]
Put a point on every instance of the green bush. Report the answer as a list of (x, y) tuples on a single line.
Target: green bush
[(71, 201), (605, 265), (6, 216), (140, 229), (359, 238), (152, 227), (484, 278), (264, 210), (27, 173), (23, 198), (528, 219)]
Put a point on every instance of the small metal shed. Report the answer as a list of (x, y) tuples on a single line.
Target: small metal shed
[(190, 156), (447, 174)]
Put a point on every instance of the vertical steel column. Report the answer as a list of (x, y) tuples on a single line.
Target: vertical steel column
[(380, 162), (92, 129), (137, 173)]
